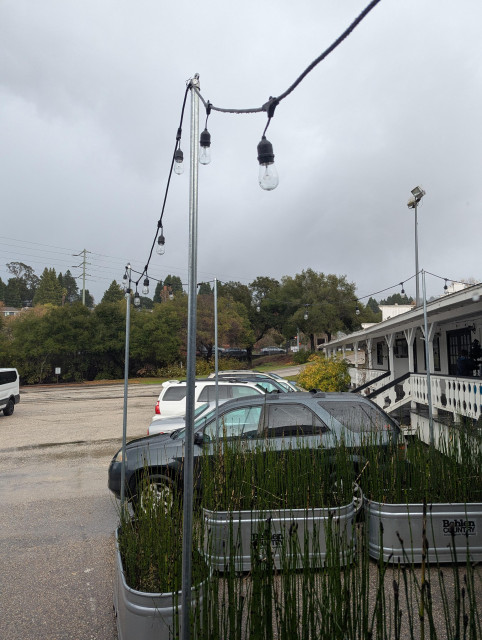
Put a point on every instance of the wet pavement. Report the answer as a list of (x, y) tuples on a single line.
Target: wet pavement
[(57, 517)]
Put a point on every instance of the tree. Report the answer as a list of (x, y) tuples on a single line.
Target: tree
[(373, 305), (328, 301), (114, 293), (204, 289), (175, 284), (49, 290), (70, 289), (89, 299), (21, 287), (233, 324), (3, 290), (397, 298)]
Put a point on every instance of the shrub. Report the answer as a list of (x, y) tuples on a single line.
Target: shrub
[(301, 357), (325, 374)]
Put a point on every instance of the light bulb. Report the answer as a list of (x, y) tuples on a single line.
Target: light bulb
[(161, 248), (145, 288), (306, 315), (137, 300), (124, 282), (268, 176), (205, 147), (258, 308), (178, 162)]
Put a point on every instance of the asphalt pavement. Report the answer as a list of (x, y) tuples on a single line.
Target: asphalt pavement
[(57, 517)]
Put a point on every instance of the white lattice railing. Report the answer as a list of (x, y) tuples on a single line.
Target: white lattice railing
[(457, 395)]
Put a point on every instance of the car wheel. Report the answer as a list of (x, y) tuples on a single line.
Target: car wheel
[(9, 408), (154, 491)]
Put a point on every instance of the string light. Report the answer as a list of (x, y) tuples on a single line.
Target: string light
[(178, 162), (137, 299), (205, 141), (403, 290), (161, 241), (145, 288)]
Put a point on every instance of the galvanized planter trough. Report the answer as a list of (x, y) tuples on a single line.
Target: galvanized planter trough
[(147, 616), (297, 536), (460, 522)]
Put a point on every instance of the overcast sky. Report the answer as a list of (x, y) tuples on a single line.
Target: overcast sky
[(90, 101)]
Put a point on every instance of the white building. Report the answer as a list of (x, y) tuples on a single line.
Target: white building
[(394, 370)]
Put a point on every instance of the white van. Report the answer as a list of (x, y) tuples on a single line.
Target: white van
[(9, 390)]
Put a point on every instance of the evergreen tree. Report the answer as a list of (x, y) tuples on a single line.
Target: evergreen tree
[(3, 290), (70, 289), (397, 298), (49, 290), (158, 290), (114, 293), (204, 289), (373, 305), (175, 283)]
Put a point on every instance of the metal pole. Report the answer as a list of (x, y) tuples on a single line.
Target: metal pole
[(417, 281), (190, 368), (126, 381), (427, 358), (216, 361)]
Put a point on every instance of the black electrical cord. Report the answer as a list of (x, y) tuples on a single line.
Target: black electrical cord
[(268, 106)]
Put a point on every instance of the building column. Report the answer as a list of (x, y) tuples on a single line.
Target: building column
[(390, 340), (410, 335), (355, 359), (369, 352)]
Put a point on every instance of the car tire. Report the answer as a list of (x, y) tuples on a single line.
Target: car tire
[(152, 491), (9, 409)]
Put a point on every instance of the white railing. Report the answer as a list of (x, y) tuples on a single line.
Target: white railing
[(360, 376), (458, 395), (461, 396)]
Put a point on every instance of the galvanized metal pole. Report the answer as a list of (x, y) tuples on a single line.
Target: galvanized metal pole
[(126, 382), (190, 368), (427, 360), (216, 361), (417, 276)]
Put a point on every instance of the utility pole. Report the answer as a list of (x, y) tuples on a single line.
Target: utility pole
[(83, 264)]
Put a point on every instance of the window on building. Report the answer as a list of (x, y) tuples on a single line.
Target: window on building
[(379, 352)]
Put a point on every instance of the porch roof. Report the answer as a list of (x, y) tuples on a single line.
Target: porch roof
[(458, 305)]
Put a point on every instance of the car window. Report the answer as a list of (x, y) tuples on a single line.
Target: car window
[(358, 416), (208, 394), (267, 386), (293, 420), (240, 391), (174, 394), (236, 423)]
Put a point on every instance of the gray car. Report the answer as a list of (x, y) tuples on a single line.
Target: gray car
[(290, 420)]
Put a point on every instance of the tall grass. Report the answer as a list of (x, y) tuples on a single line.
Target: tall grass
[(451, 473), (287, 594)]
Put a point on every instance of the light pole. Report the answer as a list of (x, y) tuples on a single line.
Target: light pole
[(417, 195), (190, 368), (127, 287)]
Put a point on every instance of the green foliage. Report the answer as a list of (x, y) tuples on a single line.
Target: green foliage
[(49, 290), (114, 293), (70, 290), (325, 374), (397, 298), (302, 356)]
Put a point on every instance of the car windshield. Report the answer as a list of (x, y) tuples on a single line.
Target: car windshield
[(358, 416), (197, 423)]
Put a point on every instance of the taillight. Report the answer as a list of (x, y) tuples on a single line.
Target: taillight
[(158, 411)]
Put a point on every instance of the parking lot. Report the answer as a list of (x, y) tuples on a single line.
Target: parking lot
[(57, 517)]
